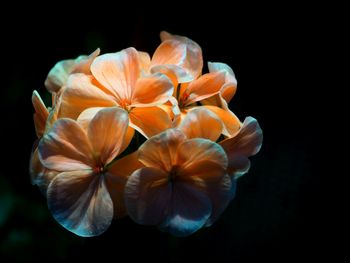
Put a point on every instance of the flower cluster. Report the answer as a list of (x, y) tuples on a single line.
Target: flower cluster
[(88, 160)]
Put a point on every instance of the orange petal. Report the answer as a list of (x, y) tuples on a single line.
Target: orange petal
[(246, 143), (152, 91), (40, 115), (80, 202), (59, 74), (118, 72), (149, 121), (87, 115), (145, 61), (80, 94), (206, 86), (160, 150), (180, 51), (201, 123), (194, 153), (66, 147), (83, 63), (229, 119), (228, 90), (107, 131)]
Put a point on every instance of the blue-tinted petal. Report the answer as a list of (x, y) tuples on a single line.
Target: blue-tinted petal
[(80, 202), (190, 209), (147, 196), (220, 194)]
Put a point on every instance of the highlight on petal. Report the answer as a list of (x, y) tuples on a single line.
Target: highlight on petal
[(204, 87), (200, 151), (160, 150), (80, 202), (41, 114), (201, 123), (87, 115), (145, 61), (231, 123), (106, 133), (118, 72), (152, 91), (66, 147), (82, 92), (228, 90), (147, 196), (189, 210), (149, 121), (245, 144), (181, 51), (59, 74)]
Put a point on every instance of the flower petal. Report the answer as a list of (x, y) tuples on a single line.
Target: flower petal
[(147, 196), (204, 87), (149, 121), (40, 115), (145, 61), (200, 151), (118, 72), (220, 194), (230, 121), (107, 131), (59, 74), (40, 175), (246, 143), (152, 91), (180, 51), (66, 147), (201, 123), (160, 150), (228, 90), (82, 92), (116, 178), (80, 202), (87, 115), (189, 210)]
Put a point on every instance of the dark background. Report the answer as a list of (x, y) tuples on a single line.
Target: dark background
[(278, 213)]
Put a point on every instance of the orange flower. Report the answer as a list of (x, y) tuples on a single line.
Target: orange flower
[(202, 123), (58, 75), (245, 143), (183, 186), (82, 194), (178, 56), (117, 80), (228, 90), (213, 89)]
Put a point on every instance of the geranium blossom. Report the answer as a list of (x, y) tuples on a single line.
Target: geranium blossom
[(246, 142), (91, 165), (80, 195), (116, 80), (183, 186)]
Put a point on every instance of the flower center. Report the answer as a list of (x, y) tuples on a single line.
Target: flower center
[(125, 104), (173, 173), (99, 170), (183, 99)]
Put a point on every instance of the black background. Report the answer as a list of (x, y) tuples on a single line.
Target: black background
[(278, 213)]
